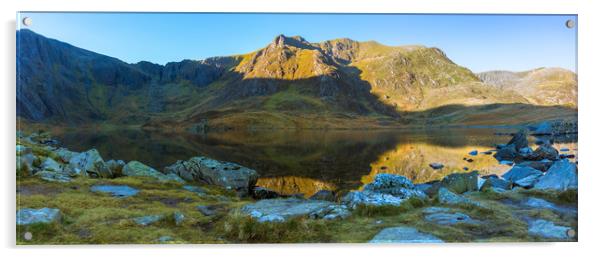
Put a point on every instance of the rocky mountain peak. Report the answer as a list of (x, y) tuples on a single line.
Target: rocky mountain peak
[(295, 41)]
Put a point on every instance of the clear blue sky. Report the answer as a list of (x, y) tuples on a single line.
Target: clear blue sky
[(479, 42)]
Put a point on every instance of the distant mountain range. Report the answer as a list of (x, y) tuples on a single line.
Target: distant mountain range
[(290, 83)]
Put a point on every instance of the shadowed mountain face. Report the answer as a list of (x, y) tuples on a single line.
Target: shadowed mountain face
[(290, 83)]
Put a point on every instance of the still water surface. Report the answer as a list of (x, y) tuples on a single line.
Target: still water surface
[(307, 161)]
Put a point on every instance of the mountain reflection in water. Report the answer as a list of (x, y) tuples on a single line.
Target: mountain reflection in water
[(307, 161)]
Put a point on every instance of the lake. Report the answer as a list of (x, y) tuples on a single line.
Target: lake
[(307, 161)]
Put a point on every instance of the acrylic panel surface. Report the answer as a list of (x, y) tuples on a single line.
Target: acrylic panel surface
[(157, 128)]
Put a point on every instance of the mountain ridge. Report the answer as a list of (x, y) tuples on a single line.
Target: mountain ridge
[(289, 83)]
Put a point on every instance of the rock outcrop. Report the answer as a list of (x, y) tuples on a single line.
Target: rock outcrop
[(386, 189), (27, 216), (404, 235), (138, 169), (278, 210), (561, 176), (214, 172)]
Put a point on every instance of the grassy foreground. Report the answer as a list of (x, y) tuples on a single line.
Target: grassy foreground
[(98, 218)]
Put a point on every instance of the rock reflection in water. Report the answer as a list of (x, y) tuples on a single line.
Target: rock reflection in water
[(307, 161)]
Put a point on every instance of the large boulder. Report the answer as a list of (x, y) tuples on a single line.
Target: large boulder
[(446, 196), (277, 210), (544, 152), (65, 155), (511, 150), (519, 140), (527, 182), (404, 235), (493, 182), (507, 153), (520, 172), (89, 163), (395, 185), (461, 182), (27, 216), (542, 165), (214, 172), (386, 189), (138, 169), (561, 176), (116, 167), (356, 198), (50, 164)]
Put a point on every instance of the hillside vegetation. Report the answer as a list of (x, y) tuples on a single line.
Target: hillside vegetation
[(290, 83)]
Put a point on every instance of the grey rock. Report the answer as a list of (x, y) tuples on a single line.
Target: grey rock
[(561, 176), (544, 151), (27, 216), (424, 187), (178, 218), (509, 163), (443, 218), (50, 164), (65, 155), (548, 229), (537, 203), (494, 182), (395, 185), (275, 209), (527, 182), (225, 174), (148, 220), (461, 182), (436, 165), (119, 191), (519, 140), (404, 235), (138, 169), (324, 195), (508, 153), (271, 218), (519, 172), (263, 193), (116, 167), (165, 239), (446, 196), (89, 163), (356, 198), (542, 165), (525, 151), (53, 176)]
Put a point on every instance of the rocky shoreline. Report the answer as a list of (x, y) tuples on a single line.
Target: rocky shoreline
[(537, 196)]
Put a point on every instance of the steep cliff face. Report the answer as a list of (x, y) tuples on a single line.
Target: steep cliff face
[(55, 78), (289, 83)]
